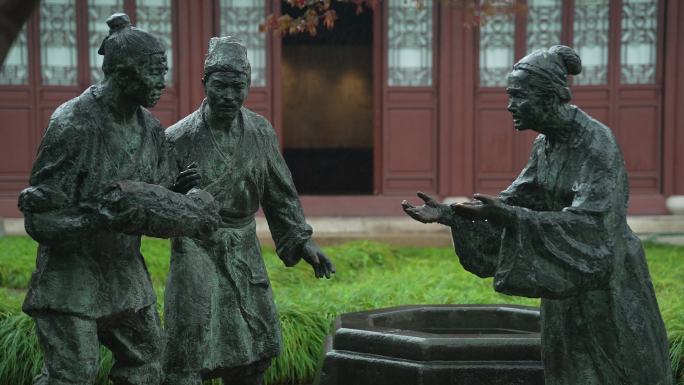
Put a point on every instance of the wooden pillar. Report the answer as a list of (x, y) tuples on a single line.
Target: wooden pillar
[(459, 107), (673, 154), (195, 25)]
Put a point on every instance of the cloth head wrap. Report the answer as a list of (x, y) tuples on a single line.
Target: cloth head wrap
[(226, 54)]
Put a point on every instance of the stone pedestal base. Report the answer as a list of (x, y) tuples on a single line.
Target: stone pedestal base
[(440, 344)]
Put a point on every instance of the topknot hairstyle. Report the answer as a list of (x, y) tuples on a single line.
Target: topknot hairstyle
[(126, 46), (551, 69), (570, 58)]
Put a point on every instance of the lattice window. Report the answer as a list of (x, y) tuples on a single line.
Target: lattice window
[(15, 69), (544, 24), (98, 12), (155, 17), (58, 47), (591, 33), (409, 51), (497, 48), (241, 19), (638, 43)]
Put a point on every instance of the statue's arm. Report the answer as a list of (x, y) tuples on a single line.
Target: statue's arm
[(50, 206), (477, 245), (282, 208), (59, 226), (557, 254), (477, 241)]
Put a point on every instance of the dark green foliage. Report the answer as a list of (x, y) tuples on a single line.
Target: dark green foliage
[(20, 357), (17, 261), (370, 275)]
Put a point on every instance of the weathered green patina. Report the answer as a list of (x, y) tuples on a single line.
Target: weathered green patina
[(559, 232), (91, 283), (219, 312)]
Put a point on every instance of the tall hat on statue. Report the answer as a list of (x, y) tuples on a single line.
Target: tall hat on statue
[(227, 54)]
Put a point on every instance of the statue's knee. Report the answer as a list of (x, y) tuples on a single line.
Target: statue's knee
[(188, 378), (138, 375)]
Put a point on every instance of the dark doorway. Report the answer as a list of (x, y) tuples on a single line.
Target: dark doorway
[(328, 105)]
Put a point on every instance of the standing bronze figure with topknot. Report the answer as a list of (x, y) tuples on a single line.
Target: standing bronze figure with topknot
[(560, 233), (94, 192)]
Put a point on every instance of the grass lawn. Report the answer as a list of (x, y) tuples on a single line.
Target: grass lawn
[(370, 275)]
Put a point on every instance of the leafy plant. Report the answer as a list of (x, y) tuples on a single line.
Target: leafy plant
[(370, 275)]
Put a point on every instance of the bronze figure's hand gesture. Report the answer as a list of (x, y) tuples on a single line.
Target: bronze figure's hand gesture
[(484, 207), (431, 211), (320, 263), (187, 179)]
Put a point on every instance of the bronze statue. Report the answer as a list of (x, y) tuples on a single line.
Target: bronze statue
[(559, 233), (219, 312), (93, 193)]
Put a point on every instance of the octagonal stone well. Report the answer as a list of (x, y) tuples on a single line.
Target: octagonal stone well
[(435, 344)]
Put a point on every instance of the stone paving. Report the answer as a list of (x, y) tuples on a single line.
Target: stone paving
[(403, 231)]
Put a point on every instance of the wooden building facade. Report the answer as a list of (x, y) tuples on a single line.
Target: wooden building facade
[(395, 101)]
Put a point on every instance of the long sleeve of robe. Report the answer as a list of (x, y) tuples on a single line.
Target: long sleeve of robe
[(60, 219), (282, 208), (557, 254), (569, 244)]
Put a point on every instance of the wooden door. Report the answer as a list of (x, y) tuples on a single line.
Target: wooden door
[(409, 98)]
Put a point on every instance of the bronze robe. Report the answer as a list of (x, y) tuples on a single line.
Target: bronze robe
[(81, 271), (219, 309), (570, 245)]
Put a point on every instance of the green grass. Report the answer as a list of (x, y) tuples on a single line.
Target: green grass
[(370, 275)]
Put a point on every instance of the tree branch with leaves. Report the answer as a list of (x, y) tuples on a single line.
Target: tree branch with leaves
[(313, 13)]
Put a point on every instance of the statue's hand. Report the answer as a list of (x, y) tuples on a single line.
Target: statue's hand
[(484, 207), (187, 179), (320, 263), (431, 211)]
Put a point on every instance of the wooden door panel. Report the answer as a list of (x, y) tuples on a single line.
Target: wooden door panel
[(639, 138), (643, 185), (639, 95), (16, 146), (404, 185), (410, 141), (493, 185), (259, 101), (21, 97), (495, 142), (50, 96), (589, 94)]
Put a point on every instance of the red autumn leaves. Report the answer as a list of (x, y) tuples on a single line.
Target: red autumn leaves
[(316, 12)]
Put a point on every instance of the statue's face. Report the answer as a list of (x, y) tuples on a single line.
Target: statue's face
[(528, 109), (226, 91), (145, 83)]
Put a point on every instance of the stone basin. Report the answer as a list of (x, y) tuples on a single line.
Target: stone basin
[(435, 344)]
